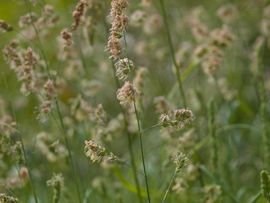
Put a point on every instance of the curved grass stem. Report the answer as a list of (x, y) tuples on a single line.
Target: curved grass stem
[(169, 186)]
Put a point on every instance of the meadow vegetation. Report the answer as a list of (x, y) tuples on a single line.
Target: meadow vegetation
[(105, 101)]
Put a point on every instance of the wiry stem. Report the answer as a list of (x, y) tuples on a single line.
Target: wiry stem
[(140, 131), (142, 151), (175, 65), (133, 164), (151, 127), (130, 148), (169, 186), (69, 150)]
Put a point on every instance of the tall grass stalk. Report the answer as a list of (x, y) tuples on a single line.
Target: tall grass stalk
[(140, 132), (69, 151), (263, 108), (263, 113), (130, 148), (29, 171), (142, 151), (259, 51), (169, 187), (175, 65), (47, 69), (213, 134)]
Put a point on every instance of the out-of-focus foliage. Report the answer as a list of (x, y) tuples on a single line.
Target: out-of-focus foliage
[(69, 113)]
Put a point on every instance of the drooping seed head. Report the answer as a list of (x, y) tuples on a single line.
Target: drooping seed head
[(67, 37), (126, 94), (180, 161), (123, 67), (95, 152), (183, 117)]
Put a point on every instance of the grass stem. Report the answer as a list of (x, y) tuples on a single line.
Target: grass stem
[(169, 186), (130, 148), (142, 151)]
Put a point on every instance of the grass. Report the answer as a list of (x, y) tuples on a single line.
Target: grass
[(153, 101)]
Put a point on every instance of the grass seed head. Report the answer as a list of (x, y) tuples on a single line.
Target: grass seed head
[(7, 199), (126, 94), (78, 13), (5, 27), (123, 67)]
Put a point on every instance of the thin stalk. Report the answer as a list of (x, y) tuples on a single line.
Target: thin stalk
[(29, 172), (259, 53), (69, 150), (26, 159), (197, 154), (130, 148), (140, 132), (133, 164), (175, 65), (169, 186), (28, 6), (263, 113), (142, 152), (125, 163), (151, 127), (212, 133)]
